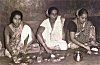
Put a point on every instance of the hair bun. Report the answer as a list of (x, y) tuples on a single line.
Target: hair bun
[(47, 13)]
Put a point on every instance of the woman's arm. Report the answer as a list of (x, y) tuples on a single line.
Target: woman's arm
[(72, 37), (40, 38), (7, 39), (39, 35)]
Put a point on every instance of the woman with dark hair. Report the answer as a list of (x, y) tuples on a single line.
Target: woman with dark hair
[(14, 13), (50, 33), (18, 35), (81, 31)]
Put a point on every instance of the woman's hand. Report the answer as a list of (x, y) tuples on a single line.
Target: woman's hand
[(23, 50), (49, 51), (94, 43), (89, 52), (87, 47)]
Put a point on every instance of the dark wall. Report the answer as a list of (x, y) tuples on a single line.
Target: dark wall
[(34, 10)]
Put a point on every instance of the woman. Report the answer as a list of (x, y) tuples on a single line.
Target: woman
[(81, 31), (18, 36), (50, 33)]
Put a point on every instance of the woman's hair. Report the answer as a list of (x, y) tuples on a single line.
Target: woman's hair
[(50, 10), (81, 11), (16, 12)]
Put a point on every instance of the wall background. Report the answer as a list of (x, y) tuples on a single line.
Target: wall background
[(34, 10)]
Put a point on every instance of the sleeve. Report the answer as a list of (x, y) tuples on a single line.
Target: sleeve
[(72, 26), (43, 24)]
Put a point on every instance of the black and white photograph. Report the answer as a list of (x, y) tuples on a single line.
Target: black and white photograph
[(49, 32)]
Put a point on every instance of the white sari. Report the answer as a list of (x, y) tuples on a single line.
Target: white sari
[(53, 37)]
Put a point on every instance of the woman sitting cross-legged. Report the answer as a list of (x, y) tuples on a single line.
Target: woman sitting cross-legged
[(18, 35), (81, 31), (50, 33)]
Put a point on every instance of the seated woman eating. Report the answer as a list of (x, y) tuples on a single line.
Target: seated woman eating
[(81, 31), (50, 33), (18, 35)]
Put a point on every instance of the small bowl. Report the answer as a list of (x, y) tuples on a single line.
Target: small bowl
[(94, 49)]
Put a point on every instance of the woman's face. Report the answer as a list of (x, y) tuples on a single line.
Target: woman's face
[(53, 14), (17, 20), (83, 18)]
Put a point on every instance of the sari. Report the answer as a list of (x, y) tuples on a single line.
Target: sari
[(19, 37), (15, 39), (54, 36), (84, 34)]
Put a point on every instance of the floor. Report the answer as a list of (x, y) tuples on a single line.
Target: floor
[(87, 60)]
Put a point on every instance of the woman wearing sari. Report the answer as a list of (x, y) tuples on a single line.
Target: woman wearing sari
[(18, 36), (50, 33), (81, 31)]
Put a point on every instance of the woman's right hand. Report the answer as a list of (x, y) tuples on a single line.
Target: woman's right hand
[(11, 52), (87, 47), (89, 50)]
